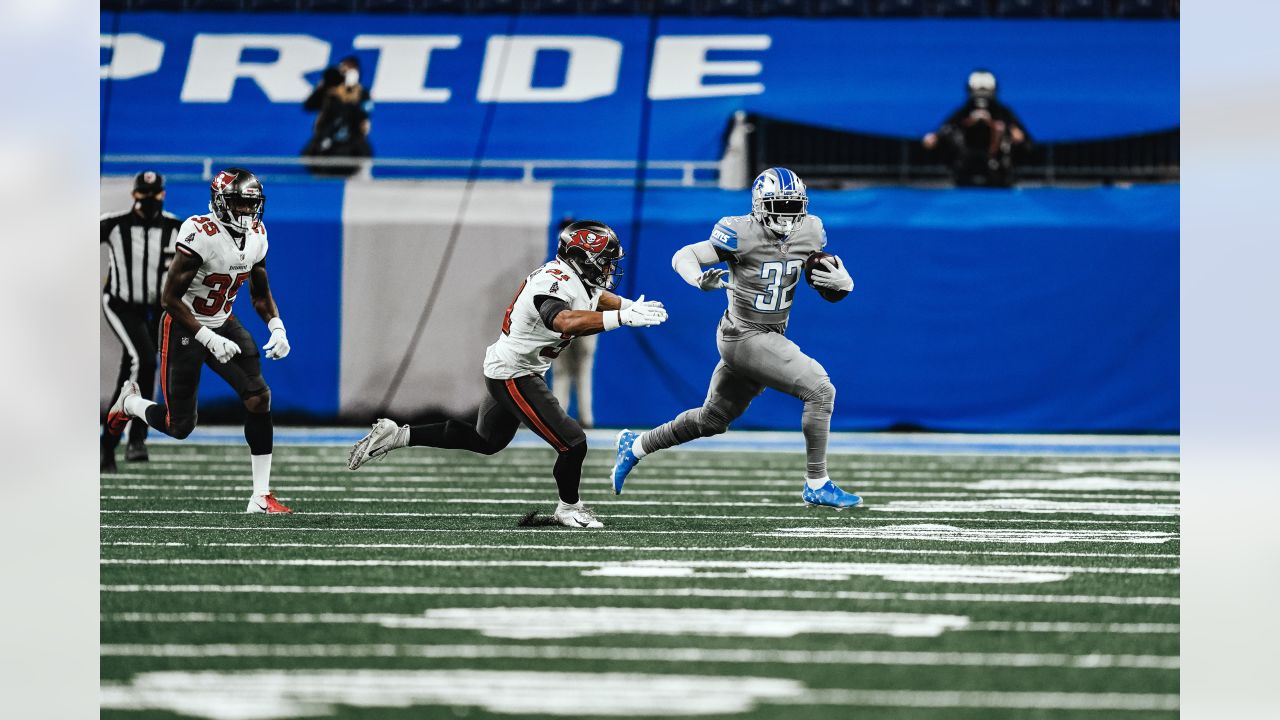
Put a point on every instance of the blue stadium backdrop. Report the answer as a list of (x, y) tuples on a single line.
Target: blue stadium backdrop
[(1041, 309)]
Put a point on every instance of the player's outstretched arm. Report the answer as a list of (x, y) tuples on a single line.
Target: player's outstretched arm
[(265, 305), (617, 312), (689, 261), (182, 271)]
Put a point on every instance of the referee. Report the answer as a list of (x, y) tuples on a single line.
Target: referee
[(139, 247)]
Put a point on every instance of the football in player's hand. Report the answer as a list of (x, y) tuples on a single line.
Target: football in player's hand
[(814, 262)]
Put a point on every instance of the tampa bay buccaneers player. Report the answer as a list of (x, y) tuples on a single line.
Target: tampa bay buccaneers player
[(214, 255), (563, 299)]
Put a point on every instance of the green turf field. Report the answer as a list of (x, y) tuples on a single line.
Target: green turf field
[(971, 586)]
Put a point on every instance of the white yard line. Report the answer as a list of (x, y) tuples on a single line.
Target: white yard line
[(689, 567), (813, 514), (635, 548), (667, 654), (181, 618), (683, 592), (274, 694), (353, 494)]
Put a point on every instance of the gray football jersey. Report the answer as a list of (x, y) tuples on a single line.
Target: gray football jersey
[(764, 269)]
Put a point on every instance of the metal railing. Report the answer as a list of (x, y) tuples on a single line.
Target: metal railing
[(664, 173)]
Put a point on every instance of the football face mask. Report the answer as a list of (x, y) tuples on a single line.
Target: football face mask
[(779, 200)]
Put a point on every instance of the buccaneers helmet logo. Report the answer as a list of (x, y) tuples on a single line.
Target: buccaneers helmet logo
[(588, 240), (224, 180)]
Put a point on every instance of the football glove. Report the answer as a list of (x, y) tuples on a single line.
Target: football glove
[(714, 279), (643, 313), (835, 277), (278, 346), (222, 348)]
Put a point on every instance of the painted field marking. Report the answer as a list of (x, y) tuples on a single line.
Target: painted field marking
[(949, 533), (183, 618), (684, 592), (701, 569), (1015, 505), (638, 548), (669, 654), (1173, 466), (812, 515), (351, 494), (274, 694), (1082, 484)]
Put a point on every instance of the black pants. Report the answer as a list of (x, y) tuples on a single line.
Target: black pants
[(182, 356), (136, 327), (525, 400)]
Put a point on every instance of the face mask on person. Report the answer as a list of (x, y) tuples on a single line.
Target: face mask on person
[(351, 77), (149, 206)]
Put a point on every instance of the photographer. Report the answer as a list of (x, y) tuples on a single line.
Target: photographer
[(342, 125), (982, 138)]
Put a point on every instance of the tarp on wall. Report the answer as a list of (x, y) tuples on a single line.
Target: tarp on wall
[(1029, 310)]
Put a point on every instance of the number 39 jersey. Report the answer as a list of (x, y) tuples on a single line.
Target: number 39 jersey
[(526, 346), (224, 265), (764, 269)]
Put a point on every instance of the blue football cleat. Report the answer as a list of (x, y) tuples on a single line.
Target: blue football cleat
[(829, 495), (625, 461)]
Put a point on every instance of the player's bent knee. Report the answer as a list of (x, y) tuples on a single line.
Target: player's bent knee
[(713, 424), (259, 402), (181, 427), (578, 449)]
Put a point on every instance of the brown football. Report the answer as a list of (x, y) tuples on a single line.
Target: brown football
[(811, 264)]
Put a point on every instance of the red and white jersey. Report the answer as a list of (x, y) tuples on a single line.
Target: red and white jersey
[(224, 265), (526, 346)]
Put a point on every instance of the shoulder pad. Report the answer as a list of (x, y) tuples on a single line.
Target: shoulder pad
[(725, 234)]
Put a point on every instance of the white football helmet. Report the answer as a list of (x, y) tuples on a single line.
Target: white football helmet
[(779, 200)]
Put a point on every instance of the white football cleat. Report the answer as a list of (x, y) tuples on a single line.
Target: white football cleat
[(576, 516), (382, 439), (266, 504), (117, 418)]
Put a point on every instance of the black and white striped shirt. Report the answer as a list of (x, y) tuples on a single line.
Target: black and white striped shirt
[(139, 252)]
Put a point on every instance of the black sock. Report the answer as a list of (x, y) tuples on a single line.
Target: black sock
[(258, 433), (156, 416), (568, 472)]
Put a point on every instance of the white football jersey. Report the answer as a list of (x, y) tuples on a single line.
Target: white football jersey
[(526, 346), (224, 265)]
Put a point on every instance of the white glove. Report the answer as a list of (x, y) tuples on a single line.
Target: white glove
[(222, 348), (835, 277), (643, 313), (713, 279), (278, 346)]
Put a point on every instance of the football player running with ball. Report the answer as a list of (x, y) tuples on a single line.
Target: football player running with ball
[(563, 299), (766, 252), (214, 255)]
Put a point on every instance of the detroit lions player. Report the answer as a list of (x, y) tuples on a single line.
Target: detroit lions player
[(766, 252)]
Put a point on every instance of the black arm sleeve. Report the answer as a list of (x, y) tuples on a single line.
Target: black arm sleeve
[(549, 306)]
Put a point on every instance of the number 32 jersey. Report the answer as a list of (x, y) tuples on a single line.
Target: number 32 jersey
[(225, 263), (526, 346), (764, 269)]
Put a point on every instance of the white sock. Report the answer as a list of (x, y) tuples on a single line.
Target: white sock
[(261, 474), (815, 483), (637, 449), (136, 406)]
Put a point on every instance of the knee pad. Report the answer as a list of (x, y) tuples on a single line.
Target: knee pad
[(578, 450), (712, 422), (258, 402)]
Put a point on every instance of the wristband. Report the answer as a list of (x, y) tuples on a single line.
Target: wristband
[(204, 336), (275, 323), (624, 303), (612, 319)]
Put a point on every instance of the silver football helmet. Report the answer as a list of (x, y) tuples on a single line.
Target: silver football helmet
[(779, 200)]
